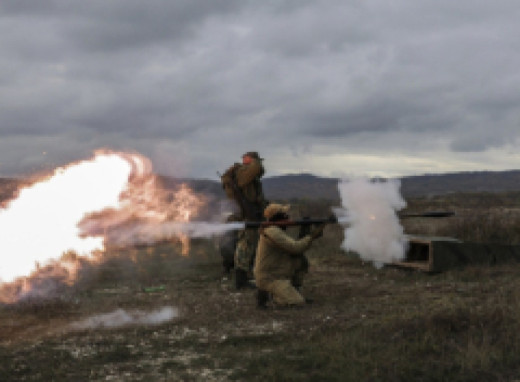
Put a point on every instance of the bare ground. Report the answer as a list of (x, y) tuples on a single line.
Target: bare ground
[(365, 324)]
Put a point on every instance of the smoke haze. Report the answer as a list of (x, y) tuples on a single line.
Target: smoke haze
[(374, 230), (120, 317), (149, 233)]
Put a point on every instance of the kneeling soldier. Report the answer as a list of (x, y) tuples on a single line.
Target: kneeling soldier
[(280, 262)]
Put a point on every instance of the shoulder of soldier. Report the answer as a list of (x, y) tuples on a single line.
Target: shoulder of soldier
[(274, 232), (231, 170), (241, 166)]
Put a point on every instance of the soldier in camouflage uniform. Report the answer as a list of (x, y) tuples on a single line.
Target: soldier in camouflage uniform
[(227, 246), (280, 262), (252, 203)]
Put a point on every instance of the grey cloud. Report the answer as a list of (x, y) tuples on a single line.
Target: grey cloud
[(311, 29), (477, 141), (130, 24), (347, 123), (211, 79), (57, 30)]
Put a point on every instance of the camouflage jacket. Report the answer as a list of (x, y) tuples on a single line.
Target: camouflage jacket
[(248, 180)]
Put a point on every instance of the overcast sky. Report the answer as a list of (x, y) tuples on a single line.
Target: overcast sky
[(335, 88)]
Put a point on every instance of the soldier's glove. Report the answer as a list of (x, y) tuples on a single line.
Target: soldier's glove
[(318, 231)]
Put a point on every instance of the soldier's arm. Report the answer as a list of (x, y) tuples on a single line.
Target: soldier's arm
[(247, 173), (282, 240)]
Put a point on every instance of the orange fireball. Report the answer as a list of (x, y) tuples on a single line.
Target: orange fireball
[(81, 207)]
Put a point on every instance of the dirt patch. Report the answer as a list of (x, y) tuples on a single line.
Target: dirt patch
[(378, 322)]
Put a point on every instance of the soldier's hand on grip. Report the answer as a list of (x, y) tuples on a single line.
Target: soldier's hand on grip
[(318, 231)]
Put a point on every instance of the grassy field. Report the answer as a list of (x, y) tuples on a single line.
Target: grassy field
[(365, 324)]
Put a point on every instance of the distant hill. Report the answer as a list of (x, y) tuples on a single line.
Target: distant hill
[(7, 188), (285, 187), (300, 186), (482, 181), (203, 186), (308, 186)]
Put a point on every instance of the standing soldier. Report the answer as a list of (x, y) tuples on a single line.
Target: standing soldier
[(242, 184)]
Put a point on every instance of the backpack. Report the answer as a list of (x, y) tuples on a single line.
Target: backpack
[(229, 184), (249, 210)]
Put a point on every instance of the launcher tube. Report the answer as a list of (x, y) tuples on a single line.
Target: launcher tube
[(289, 223), (334, 220), (428, 214)]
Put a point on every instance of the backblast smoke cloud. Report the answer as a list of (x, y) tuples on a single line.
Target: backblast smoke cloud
[(374, 230)]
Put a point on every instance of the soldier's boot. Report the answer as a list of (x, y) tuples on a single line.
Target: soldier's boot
[(262, 297), (226, 272), (298, 287), (227, 266), (241, 279)]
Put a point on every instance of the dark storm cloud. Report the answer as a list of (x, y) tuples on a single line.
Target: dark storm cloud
[(84, 68), (112, 25), (378, 115), (200, 82)]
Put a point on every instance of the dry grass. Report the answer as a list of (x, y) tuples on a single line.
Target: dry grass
[(481, 217), (365, 325)]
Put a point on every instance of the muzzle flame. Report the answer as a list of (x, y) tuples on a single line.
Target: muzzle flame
[(41, 223), (77, 208)]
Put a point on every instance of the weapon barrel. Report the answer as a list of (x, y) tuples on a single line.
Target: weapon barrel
[(428, 214), (288, 223), (334, 220)]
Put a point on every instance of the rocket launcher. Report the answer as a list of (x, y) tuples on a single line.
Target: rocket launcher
[(334, 220)]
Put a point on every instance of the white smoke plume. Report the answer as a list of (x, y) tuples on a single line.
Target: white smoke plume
[(120, 317), (374, 230), (149, 233)]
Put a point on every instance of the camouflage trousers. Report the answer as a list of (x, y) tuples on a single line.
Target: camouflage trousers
[(246, 249)]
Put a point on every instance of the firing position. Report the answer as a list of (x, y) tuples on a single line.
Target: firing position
[(242, 184), (280, 263)]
